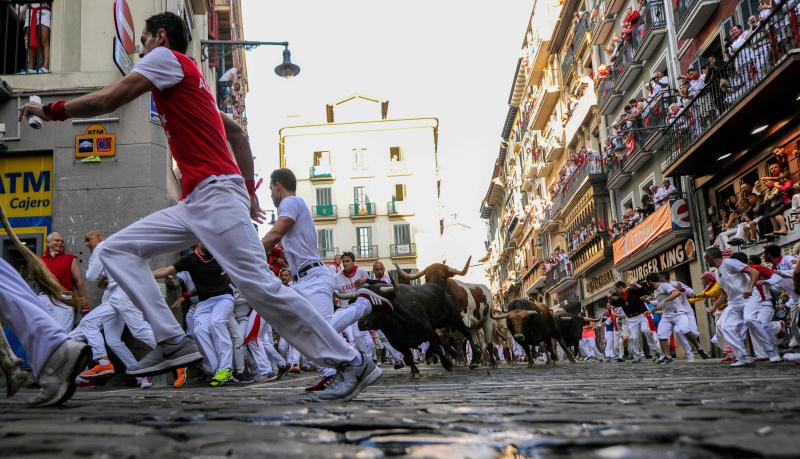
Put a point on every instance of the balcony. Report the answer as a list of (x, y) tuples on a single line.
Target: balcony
[(365, 252), (722, 118), (537, 60), (403, 250), (553, 145), (603, 22), (691, 16), (324, 213), (559, 278), (591, 252), (655, 116), (651, 30), (550, 223), (546, 100), (592, 172), (398, 168), (321, 174), (580, 114), (627, 67), (15, 41), (615, 6), (362, 211), (328, 253), (398, 209), (616, 177), (534, 279), (568, 64), (666, 226), (608, 98)]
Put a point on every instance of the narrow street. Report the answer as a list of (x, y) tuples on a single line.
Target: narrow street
[(614, 410)]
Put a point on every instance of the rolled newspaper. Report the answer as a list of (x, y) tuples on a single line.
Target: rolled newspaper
[(34, 121)]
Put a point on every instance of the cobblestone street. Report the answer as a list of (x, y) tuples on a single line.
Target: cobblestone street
[(612, 410)]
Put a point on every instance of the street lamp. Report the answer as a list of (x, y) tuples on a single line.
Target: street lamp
[(285, 70)]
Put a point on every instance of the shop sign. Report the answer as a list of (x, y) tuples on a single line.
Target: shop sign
[(155, 118), (665, 219), (26, 190), (95, 142), (666, 261), (599, 283)]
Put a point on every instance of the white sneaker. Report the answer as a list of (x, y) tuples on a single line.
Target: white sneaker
[(775, 359), (350, 380), (145, 382), (742, 363), (58, 375), (793, 342)]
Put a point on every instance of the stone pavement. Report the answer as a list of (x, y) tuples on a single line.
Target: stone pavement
[(583, 410)]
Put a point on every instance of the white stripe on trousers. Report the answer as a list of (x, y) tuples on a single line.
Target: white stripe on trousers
[(217, 213), (39, 333)]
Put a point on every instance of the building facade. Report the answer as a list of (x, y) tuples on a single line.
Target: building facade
[(611, 98), (46, 183), (372, 183)]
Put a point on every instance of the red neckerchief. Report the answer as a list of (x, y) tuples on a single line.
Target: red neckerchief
[(350, 273), (625, 295), (199, 256)]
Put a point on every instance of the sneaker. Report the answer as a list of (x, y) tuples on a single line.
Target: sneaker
[(16, 379), (221, 377), (620, 360), (80, 382), (166, 357), (42, 70), (703, 354), (145, 382), (379, 303), (242, 378), (294, 369), (180, 379), (793, 342), (92, 159), (98, 371), (742, 363), (727, 359), (320, 385), (775, 359), (282, 371), (735, 241), (664, 359), (269, 377), (636, 360), (57, 378), (350, 380)]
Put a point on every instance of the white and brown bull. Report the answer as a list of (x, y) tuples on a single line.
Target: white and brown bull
[(473, 300)]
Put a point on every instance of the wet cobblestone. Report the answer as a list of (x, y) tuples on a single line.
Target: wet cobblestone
[(584, 410)]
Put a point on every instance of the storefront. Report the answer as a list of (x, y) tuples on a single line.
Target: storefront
[(596, 286)]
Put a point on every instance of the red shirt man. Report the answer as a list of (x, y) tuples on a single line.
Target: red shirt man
[(64, 266)]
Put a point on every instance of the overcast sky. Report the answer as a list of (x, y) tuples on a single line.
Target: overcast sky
[(451, 59)]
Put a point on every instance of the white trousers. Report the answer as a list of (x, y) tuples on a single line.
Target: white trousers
[(733, 327), (63, 315), (638, 326), (348, 317), (288, 351), (237, 338), (757, 315), (217, 213), (211, 330), (679, 325), (609, 350), (259, 363), (589, 348), (693, 322), (396, 355), (718, 336), (28, 318)]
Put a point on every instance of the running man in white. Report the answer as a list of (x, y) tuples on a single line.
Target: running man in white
[(295, 230), (217, 203), (694, 333), (114, 312), (674, 318), (349, 279)]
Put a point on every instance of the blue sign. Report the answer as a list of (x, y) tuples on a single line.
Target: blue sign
[(155, 118)]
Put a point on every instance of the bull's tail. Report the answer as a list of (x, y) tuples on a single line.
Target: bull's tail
[(39, 272)]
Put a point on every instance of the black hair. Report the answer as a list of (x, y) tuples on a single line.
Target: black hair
[(653, 277), (753, 260), (349, 254), (714, 252), (285, 177), (740, 256), (772, 250), (620, 284), (173, 25)]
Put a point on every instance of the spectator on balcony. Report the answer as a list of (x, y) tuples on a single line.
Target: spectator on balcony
[(659, 82), (631, 217), (672, 192), (37, 36), (728, 225), (648, 204), (231, 75), (779, 196), (659, 195)]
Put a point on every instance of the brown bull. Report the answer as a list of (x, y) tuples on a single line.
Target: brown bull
[(473, 300)]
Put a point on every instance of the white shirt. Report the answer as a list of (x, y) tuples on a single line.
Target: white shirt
[(670, 307), (344, 284), (96, 270), (300, 243), (660, 196), (685, 292), (188, 283), (733, 279), (161, 67), (229, 75), (787, 263)]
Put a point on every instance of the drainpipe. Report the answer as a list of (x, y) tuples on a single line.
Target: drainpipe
[(672, 44), (613, 195), (696, 217)]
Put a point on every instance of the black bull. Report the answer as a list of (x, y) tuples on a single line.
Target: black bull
[(417, 312), (531, 324)]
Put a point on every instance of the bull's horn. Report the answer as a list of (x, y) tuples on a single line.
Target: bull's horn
[(344, 296), (565, 318), (532, 313), (463, 272), (408, 277), (502, 315)]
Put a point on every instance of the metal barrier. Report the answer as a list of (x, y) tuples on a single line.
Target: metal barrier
[(25, 48)]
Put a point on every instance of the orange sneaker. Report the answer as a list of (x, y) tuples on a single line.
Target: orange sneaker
[(98, 371), (181, 379)]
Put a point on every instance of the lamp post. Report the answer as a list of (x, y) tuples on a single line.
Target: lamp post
[(285, 70)]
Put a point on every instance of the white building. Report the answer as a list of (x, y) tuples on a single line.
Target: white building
[(372, 183)]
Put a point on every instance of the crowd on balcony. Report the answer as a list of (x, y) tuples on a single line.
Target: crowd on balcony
[(230, 93), (758, 214), (656, 197), (578, 92), (585, 159), (584, 233), (559, 257)]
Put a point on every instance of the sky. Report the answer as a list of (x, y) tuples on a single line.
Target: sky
[(454, 60)]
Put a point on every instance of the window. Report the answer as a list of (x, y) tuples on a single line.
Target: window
[(364, 247), (359, 159), (746, 9), (322, 158), (644, 187), (22, 47), (399, 192), (395, 154), (324, 197), (627, 202), (360, 195), (325, 243), (402, 234)]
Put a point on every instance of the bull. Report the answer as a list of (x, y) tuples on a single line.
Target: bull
[(531, 324), (417, 312), (571, 328), (474, 301)]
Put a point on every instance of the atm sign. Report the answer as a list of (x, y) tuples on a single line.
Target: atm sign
[(95, 142)]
